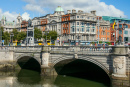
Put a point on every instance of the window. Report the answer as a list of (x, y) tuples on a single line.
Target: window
[(77, 29), (77, 16), (82, 29), (87, 29), (73, 23), (126, 32), (77, 23), (88, 17), (120, 31), (107, 33), (93, 30), (126, 26), (120, 25), (107, 38), (72, 29), (88, 24), (125, 39), (82, 23)]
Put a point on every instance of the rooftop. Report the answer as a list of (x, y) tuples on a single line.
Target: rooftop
[(59, 8)]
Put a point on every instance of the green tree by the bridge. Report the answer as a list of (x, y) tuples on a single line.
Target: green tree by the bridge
[(2, 32), (21, 35), (52, 34), (6, 37), (15, 32), (37, 33)]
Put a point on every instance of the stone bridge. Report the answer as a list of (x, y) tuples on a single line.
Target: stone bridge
[(114, 60)]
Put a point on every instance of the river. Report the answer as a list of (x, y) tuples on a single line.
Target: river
[(28, 78)]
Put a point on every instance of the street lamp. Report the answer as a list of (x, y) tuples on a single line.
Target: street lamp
[(120, 29), (11, 35), (46, 36)]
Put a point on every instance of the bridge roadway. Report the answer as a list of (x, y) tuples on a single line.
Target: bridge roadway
[(114, 60)]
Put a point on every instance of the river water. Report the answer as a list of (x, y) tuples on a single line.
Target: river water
[(28, 78)]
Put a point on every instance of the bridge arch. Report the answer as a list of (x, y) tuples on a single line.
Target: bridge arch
[(29, 55), (28, 61), (86, 58)]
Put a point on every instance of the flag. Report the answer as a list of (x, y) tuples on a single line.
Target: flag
[(114, 24)]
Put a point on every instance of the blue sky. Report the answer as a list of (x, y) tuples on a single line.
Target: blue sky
[(35, 8)]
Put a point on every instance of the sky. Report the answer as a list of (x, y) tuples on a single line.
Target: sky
[(29, 9)]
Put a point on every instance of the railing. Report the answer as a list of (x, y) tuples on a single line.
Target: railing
[(62, 49), (20, 48), (81, 49)]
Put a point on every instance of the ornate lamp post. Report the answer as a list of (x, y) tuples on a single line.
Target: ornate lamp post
[(11, 35), (120, 32)]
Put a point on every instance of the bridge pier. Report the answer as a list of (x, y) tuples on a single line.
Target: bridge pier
[(119, 66), (46, 69), (119, 61)]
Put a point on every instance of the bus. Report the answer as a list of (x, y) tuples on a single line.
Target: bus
[(16, 43), (52, 42)]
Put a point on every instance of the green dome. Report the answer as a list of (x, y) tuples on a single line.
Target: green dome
[(59, 8)]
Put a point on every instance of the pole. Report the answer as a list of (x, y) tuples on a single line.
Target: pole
[(50, 40), (33, 34), (98, 30), (114, 37), (46, 38), (0, 35), (27, 35)]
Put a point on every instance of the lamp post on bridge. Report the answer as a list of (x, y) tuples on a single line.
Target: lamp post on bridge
[(11, 35), (120, 32)]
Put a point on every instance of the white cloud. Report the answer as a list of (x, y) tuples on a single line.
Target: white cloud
[(86, 5), (12, 16), (25, 16), (32, 7)]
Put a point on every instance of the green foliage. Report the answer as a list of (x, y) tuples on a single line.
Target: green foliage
[(100, 41), (15, 32), (21, 36), (93, 43), (6, 37), (2, 32), (109, 43), (37, 33), (52, 34)]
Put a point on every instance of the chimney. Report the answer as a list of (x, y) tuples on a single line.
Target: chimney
[(80, 11), (73, 11), (68, 11), (93, 12)]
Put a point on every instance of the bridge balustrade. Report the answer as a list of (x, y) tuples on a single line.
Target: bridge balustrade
[(94, 49), (82, 49), (28, 48)]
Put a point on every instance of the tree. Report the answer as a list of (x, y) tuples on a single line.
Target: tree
[(2, 32), (52, 34), (6, 37), (15, 32), (37, 33), (21, 36), (100, 42)]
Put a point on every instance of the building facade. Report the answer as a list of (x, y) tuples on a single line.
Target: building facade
[(9, 26), (116, 34), (104, 30)]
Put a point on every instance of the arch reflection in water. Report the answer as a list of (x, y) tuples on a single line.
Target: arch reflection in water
[(28, 77), (82, 69), (10, 79), (30, 63)]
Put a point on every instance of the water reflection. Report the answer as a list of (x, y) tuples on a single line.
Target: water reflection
[(28, 78)]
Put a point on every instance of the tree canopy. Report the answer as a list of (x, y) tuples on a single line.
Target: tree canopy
[(6, 37), (37, 33), (52, 34), (15, 32), (21, 36)]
